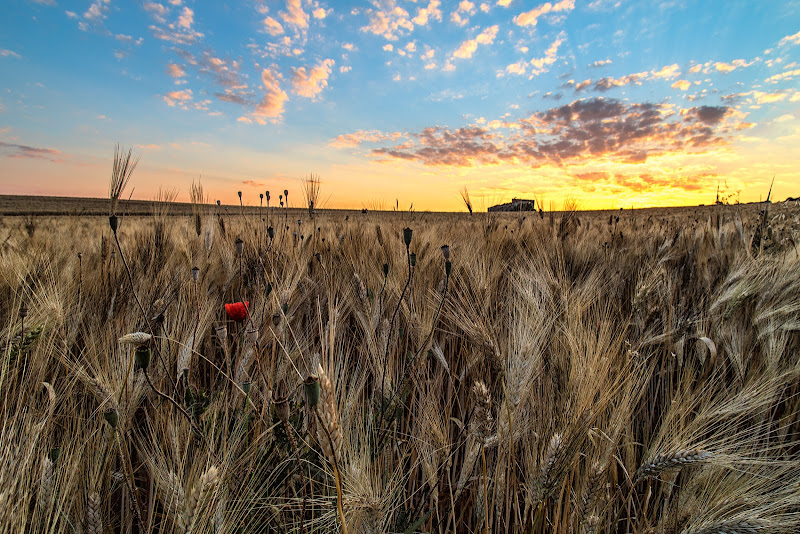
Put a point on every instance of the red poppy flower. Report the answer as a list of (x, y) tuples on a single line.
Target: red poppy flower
[(237, 310)]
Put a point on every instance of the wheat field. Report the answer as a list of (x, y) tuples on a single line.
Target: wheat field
[(545, 372)]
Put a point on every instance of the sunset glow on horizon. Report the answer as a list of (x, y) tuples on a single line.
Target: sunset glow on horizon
[(613, 103)]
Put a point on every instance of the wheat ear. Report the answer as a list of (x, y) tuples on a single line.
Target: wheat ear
[(662, 462), (94, 521)]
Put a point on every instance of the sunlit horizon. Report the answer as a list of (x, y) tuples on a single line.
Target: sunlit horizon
[(611, 103)]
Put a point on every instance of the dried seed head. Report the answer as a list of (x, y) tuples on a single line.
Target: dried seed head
[(195, 274), (142, 357), (239, 244), (446, 251)]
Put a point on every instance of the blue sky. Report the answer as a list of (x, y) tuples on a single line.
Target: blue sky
[(612, 102)]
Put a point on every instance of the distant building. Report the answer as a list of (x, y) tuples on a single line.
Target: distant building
[(516, 204)]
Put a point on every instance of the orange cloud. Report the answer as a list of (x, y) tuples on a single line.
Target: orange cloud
[(178, 98), (310, 82), (596, 129), (271, 106), (531, 18), (683, 85), (389, 20), (294, 15), (272, 26), (468, 48), (362, 136), (424, 14), (176, 71), (733, 65)]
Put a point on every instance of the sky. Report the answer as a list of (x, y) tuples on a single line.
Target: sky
[(608, 103)]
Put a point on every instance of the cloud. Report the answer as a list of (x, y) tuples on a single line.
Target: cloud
[(599, 63), (683, 85), (310, 82), (272, 26), (733, 65), (294, 15), (320, 13), (551, 54), (179, 31), (424, 14), (388, 19), (640, 182), (670, 71), (531, 18), (178, 98), (362, 136), (232, 97), (596, 130), (186, 19), (9, 53), (462, 13), (271, 106), (12, 150), (175, 71), (253, 183), (708, 114), (468, 48), (787, 75), (790, 40)]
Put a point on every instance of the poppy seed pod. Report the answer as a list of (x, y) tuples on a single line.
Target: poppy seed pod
[(23, 311), (448, 266), (413, 259), (195, 274), (113, 222), (271, 232), (407, 233), (240, 194), (285, 308), (268, 289), (218, 202), (267, 193), (239, 244), (312, 387), (222, 332), (446, 251), (111, 416), (252, 334), (261, 196), (286, 193), (142, 357), (246, 386)]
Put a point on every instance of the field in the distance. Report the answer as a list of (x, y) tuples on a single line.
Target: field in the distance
[(619, 371)]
